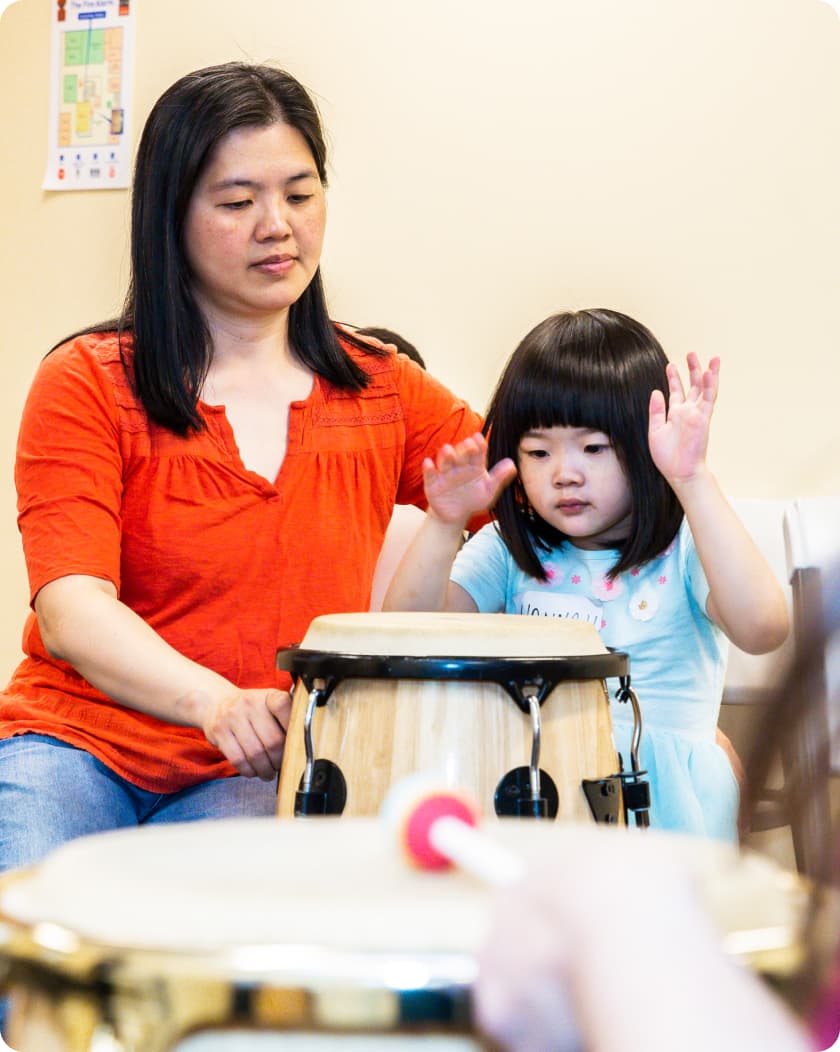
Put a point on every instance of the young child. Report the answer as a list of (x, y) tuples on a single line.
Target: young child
[(613, 516)]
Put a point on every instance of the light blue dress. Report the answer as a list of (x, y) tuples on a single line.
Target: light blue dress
[(657, 615)]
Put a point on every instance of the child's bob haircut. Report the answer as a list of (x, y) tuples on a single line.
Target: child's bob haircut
[(595, 369)]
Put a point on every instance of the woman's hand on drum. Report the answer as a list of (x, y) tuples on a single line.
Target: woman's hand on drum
[(458, 483), (247, 726)]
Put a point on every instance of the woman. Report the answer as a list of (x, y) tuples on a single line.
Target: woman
[(198, 480)]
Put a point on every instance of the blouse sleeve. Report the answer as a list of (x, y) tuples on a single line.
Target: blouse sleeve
[(68, 470)]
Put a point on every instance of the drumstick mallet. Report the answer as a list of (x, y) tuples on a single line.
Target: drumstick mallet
[(437, 828)]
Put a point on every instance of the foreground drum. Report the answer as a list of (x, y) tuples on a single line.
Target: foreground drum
[(513, 709), (270, 936)]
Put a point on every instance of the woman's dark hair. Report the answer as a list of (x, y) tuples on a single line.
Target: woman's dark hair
[(594, 369), (171, 343)]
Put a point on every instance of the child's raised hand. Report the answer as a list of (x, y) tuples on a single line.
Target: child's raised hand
[(458, 484), (678, 439)]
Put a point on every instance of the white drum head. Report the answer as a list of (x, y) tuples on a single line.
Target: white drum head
[(451, 634)]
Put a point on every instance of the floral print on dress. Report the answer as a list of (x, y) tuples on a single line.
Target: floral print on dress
[(606, 588), (644, 604)]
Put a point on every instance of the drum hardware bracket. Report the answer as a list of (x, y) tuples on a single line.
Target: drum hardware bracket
[(635, 787), (636, 792), (604, 798), (326, 794), (514, 797), (323, 787), (522, 792)]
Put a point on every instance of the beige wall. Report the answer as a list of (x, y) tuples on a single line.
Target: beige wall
[(492, 163)]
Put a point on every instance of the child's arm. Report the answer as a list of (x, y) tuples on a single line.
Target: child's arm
[(745, 598), (458, 486)]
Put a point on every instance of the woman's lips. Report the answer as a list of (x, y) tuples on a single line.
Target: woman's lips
[(275, 264)]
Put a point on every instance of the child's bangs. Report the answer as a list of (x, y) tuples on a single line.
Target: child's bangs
[(574, 395)]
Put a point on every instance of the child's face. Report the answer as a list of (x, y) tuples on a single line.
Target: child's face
[(574, 481)]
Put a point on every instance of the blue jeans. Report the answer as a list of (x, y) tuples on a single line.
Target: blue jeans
[(51, 792)]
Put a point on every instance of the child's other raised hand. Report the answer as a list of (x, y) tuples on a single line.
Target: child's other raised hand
[(679, 438), (458, 483)]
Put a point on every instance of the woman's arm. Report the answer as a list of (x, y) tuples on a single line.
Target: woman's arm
[(458, 486), (82, 622), (745, 599)]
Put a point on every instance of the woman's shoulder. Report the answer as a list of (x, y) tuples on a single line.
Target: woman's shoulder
[(102, 358), (95, 350), (390, 372)]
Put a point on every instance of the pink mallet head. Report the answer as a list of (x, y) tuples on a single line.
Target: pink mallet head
[(418, 823)]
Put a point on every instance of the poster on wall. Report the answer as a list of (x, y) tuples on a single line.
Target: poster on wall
[(92, 55)]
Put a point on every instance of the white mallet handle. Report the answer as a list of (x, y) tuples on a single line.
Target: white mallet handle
[(475, 852)]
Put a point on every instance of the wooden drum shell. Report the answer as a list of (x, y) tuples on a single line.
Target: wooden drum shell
[(468, 734)]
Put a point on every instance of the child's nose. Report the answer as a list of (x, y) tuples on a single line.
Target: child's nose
[(566, 472)]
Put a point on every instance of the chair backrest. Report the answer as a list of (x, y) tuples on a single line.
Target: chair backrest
[(812, 550), (751, 678), (811, 530)]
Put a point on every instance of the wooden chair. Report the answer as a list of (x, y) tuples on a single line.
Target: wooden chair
[(751, 678), (812, 547)]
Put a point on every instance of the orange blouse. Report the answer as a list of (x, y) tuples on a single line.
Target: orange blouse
[(226, 566)]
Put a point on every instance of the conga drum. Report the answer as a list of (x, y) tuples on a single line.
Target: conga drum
[(510, 708), (258, 935)]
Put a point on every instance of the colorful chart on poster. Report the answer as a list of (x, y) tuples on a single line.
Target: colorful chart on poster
[(90, 95)]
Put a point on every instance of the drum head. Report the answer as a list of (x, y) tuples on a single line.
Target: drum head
[(156, 937), (335, 884), (463, 635)]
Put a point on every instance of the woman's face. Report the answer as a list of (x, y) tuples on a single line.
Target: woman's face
[(255, 224)]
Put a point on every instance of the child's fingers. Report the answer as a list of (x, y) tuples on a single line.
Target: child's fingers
[(675, 385), (711, 381), (430, 473), (503, 473), (470, 450), (475, 451), (695, 374), (656, 411), (445, 457)]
